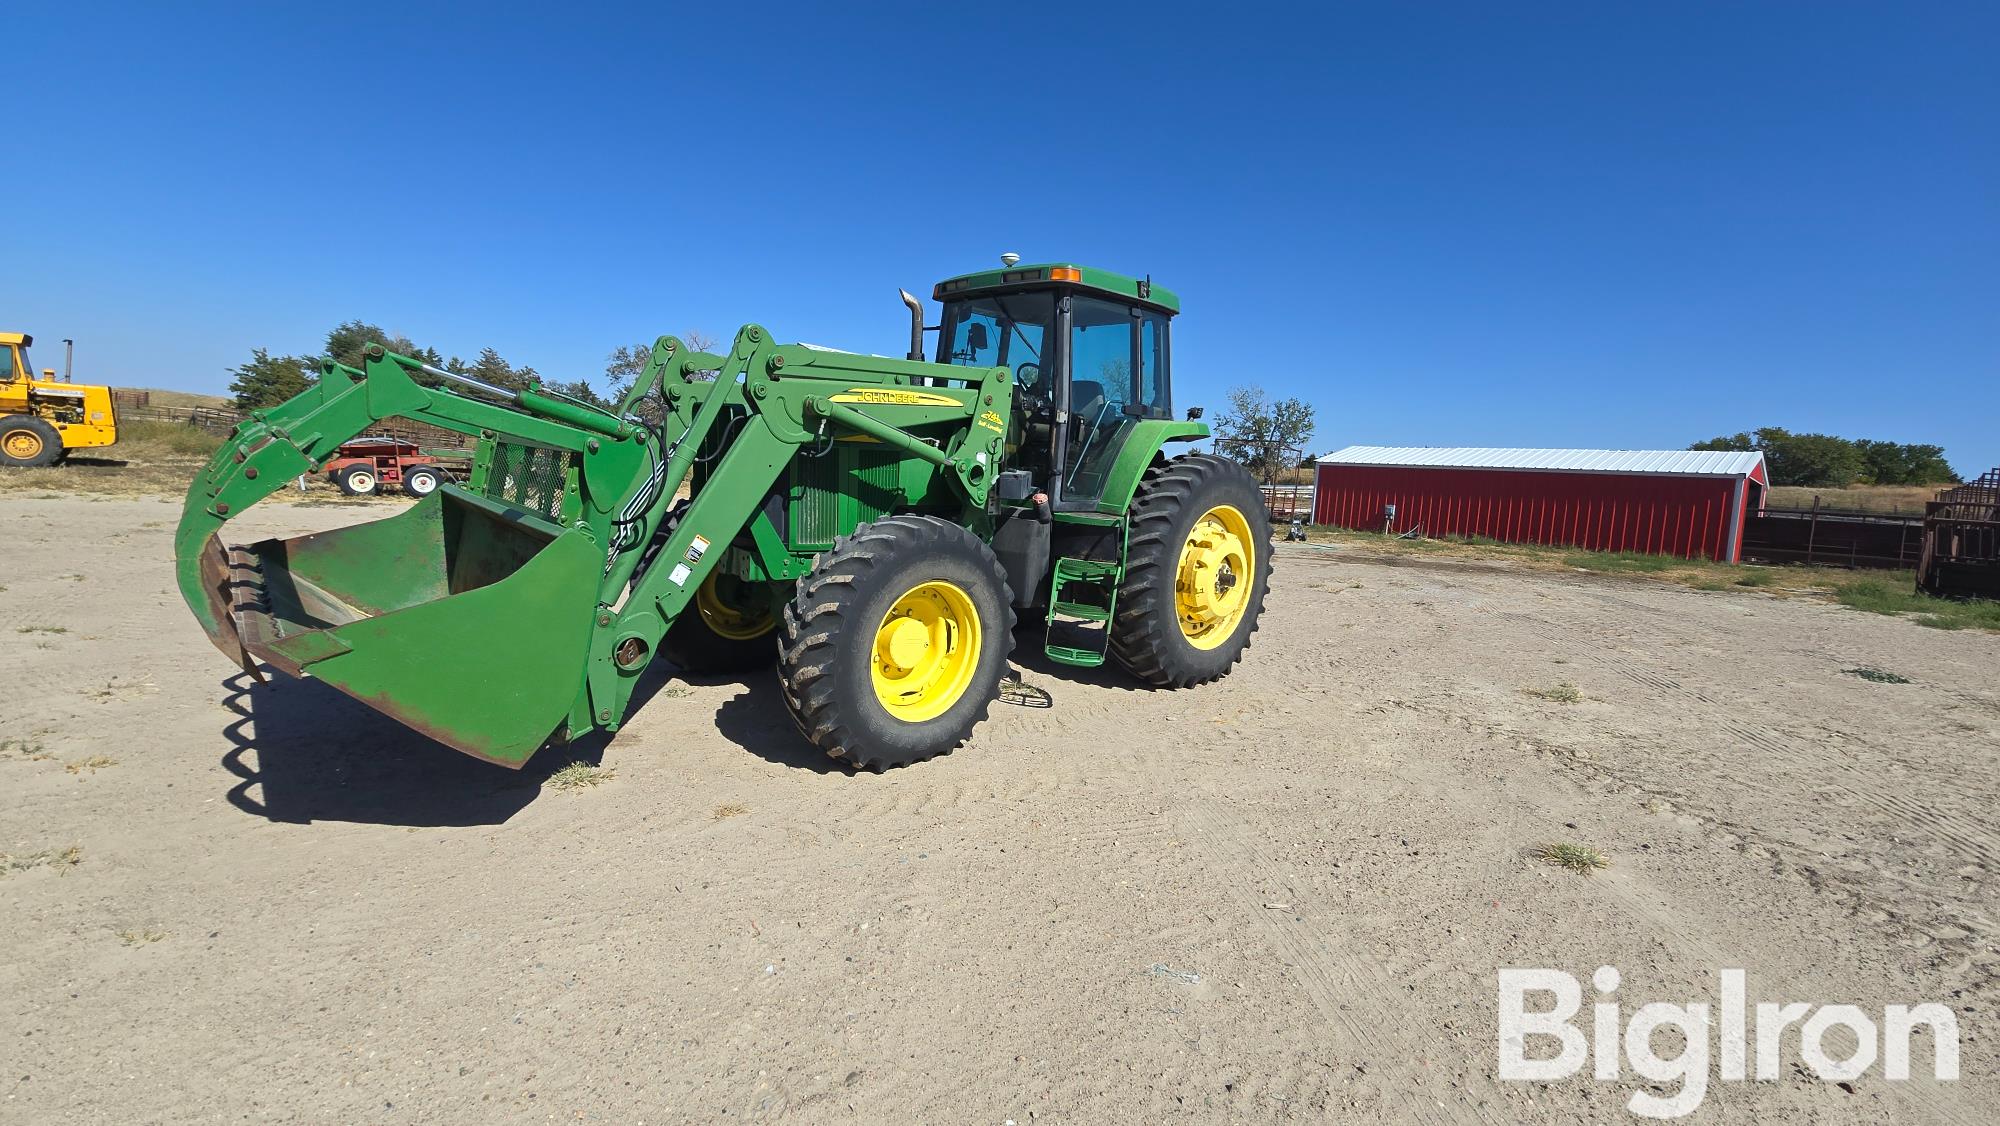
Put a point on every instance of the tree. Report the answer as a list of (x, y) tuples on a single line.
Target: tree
[(624, 366), (268, 380), (346, 342), (1894, 463), (1729, 443), (1820, 460), (491, 368), (1266, 435), (1825, 461), (1927, 466), (582, 391), (626, 363)]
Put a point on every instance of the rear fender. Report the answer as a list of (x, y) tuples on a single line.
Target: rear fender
[(1142, 448)]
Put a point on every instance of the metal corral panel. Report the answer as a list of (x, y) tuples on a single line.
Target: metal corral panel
[(1678, 463), (1691, 516)]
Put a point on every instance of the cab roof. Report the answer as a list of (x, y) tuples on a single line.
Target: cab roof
[(1040, 275), (21, 338)]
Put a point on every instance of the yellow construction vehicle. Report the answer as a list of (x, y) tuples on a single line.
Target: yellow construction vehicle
[(42, 418)]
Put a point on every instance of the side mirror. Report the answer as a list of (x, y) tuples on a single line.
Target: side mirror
[(975, 336), (1194, 413)]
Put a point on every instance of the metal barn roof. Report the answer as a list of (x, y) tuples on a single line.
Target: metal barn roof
[(1676, 463)]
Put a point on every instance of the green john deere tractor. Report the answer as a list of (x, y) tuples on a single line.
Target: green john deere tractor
[(871, 526)]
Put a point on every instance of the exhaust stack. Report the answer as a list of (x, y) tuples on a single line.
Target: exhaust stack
[(916, 325)]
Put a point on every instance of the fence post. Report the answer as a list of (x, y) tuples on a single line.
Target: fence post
[(1812, 532)]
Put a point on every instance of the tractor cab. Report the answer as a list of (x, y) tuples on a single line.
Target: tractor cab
[(1090, 354), (14, 363)]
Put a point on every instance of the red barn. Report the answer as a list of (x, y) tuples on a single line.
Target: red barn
[(1662, 502)]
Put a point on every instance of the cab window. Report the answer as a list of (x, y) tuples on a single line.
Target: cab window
[(1155, 392), (1007, 330), (1100, 359)]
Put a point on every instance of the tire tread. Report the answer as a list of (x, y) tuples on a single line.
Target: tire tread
[(1145, 635), (820, 618)]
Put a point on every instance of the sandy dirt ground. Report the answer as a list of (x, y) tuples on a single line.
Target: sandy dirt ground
[(1283, 896)]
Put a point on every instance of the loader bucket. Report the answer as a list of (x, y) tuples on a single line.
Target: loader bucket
[(465, 619)]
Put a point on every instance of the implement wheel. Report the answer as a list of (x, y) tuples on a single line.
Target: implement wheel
[(422, 481), (358, 480), (729, 627), (1197, 563), (27, 442), (894, 645)]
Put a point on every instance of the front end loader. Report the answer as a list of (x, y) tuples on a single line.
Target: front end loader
[(873, 527)]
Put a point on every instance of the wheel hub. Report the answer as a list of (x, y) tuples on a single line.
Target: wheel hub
[(23, 444), (906, 641), (720, 600), (926, 651), (1209, 588)]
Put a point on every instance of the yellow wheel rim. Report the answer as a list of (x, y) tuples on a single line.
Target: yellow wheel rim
[(1213, 579), (724, 616), (926, 650), (23, 444)]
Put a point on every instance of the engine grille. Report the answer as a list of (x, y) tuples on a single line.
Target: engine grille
[(850, 485)]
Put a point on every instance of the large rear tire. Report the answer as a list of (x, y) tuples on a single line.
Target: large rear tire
[(1197, 564), (894, 645), (26, 442)]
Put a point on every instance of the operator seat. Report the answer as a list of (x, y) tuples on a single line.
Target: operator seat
[(1086, 400)]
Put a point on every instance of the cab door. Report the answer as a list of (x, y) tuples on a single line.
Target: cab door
[(1117, 375)]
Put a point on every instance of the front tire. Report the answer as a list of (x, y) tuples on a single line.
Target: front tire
[(1197, 564), (894, 645), (26, 442)]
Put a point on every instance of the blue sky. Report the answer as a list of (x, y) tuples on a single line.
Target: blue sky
[(1485, 224)]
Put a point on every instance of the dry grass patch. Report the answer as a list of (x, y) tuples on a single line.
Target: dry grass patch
[(141, 936), (1880, 592), (29, 749), (159, 397), (1581, 859), (580, 775), (61, 859), (1892, 499), (728, 810), (93, 764), (1564, 693)]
